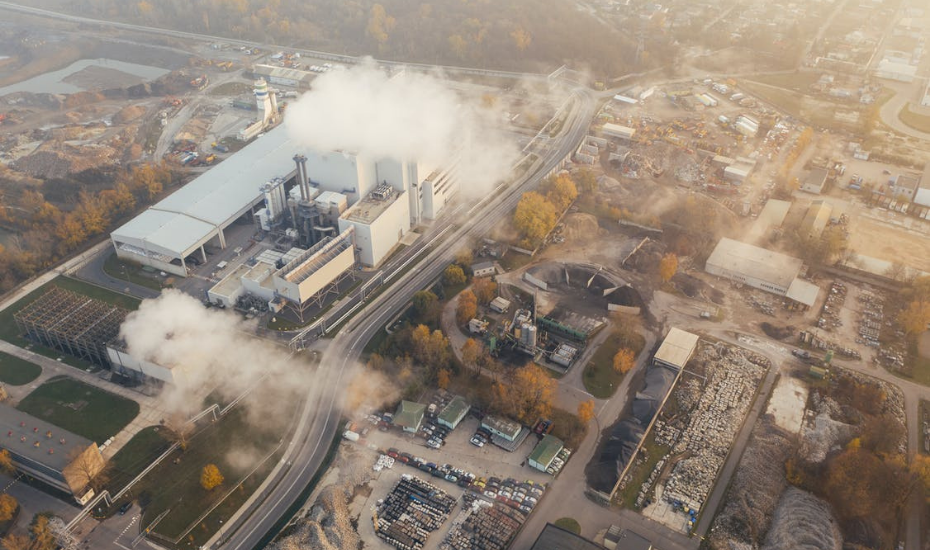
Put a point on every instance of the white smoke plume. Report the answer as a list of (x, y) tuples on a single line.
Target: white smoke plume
[(211, 350), (409, 116)]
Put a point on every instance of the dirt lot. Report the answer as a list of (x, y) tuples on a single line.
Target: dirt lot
[(878, 240)]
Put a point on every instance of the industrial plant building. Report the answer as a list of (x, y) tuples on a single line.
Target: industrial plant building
[(676, 349), (72, 323), (545, 452), (54, 456), (762, 269), (302, 195), (815, 181)]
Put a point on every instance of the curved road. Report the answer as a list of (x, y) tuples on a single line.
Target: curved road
[(320, 419)]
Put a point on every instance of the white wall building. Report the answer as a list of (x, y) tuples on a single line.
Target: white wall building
[(380, 221)]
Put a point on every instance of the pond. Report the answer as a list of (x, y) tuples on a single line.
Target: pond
[(53, 82)]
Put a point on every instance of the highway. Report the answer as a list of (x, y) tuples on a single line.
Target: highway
[(320, 419)]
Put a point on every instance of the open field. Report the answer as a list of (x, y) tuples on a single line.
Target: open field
[(139, 452), (130, 272), (79, 408), (878, 240), (799, 82), (914, 120), (17, 372), (600, 379)]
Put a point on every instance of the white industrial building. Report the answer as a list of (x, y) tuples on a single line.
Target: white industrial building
[(140, 369), (676, 349), (922, 196), (617, 131), (761, 268), (258, 177), (815, 181), (894, 70)]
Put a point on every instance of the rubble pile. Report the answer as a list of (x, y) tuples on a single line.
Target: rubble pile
[(411, 511), (754, 490), (803, 521), (732, 377), (483, 526), (872, 315), (327, 525), (830, 314)]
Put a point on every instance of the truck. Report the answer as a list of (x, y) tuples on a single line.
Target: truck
[(220, 147), (350, 435)]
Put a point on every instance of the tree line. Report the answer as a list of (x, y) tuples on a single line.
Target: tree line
[(47, 230)]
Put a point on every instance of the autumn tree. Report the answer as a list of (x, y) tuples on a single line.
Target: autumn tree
[(179, 430), (668, 266), (485, 290), (8, 507), (851, 483), (471, 353), (586, 411), (86, 468), (443, 377), (453, 276), (914, 317), (534, 217), (529, 395), (464, 258), (210, 477), (380, 24), (561, 192), (375, 362), (430, 348), (586, 181), (521, 38), (467, 307), (6, 462), (624, 360)]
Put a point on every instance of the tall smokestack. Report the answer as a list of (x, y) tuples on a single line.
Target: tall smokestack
[(302, 179)]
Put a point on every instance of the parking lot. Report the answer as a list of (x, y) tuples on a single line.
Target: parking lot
[(485, 462)]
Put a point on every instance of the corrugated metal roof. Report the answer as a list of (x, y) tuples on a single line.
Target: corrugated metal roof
[(803, 292), (677, 348), (772, 267)]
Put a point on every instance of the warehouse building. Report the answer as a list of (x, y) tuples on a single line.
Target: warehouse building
[(453, 413), (283, 76), (197, 215), (816, 219), (815, 181), (896, 70), (51, 455), (763, 269), (500, 427), (922, 196), (409, 416), (484, 269), (677, 348), (545, 452), (620, 132)]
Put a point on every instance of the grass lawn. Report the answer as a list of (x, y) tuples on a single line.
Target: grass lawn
[(639, 472), (130, 271), (139, 452), (914, 120), (569, 524), (235, 446), (85, 410), (599, 377), (17, 372)]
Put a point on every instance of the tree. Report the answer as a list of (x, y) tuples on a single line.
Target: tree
[(8, 507), (529, 396), (624, 360), (375, 362), (179, 430), (467, 307), (521, 38), (86, 468), (562, 192), (485, 290), (915, 317), (586, 411), (423, 301), (534, 217), (210, 477), (586, 180), (861, 485), (881, 434), (464, 258), (453, 276), (668, 265), (471, 352), (6, 462), (443, 377), (429, 348), (380, 24)]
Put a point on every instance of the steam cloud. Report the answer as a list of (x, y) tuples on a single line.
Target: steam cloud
[(410, 116), (211, 350)]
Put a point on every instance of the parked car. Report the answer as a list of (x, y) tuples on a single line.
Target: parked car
[(477, 441), (125, 508)]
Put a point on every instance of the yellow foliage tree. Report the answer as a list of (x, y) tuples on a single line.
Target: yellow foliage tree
[(529, 396), (915, 317), (534, 217), (562, 192), (6, 462), (8, 507), (210, 477), (668, 266), (443, 377), (467, 307), (586, 411), (624, 360), (485, 290), (453, 276)]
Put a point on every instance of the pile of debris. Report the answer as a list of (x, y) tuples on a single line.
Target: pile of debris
[(733, 374), (830, 314), (412, 510), (484, 526), (870, 323), (49, 163)]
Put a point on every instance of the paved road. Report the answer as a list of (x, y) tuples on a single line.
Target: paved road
[(889, 112)]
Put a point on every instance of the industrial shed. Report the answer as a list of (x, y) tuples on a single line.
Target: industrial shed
[(409, 415), (676, 349), (815, 181), (761, 268), (284, 76), (816, 219), (505, 429), (545, 452), (922, 196), (46, 452), (453, 413), (617, 131)]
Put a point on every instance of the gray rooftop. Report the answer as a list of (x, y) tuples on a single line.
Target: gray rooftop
[(553, 537), (677, 348), (20, 432), (760, 263)]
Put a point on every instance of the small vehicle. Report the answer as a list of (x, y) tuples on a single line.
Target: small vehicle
[(125, 508), (392, 452), (433, 443), (477, 441)]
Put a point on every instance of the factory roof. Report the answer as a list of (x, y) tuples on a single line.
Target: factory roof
[(803, 292), (772, 267), (677, 348), (368, 209), (409, 414), (284, 72), (546, 450), (454, 411), (28, 436), (553, 537), (816, 219), (502, 426), (618, 130), (214, 199), (816, 178), (624, 539), (907, 181), (230, 283)]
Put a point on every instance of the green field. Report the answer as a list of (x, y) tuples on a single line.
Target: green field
[(139, 452), (85, 410), (599, 377), (917, 121), (17, 372), (569, 524)]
